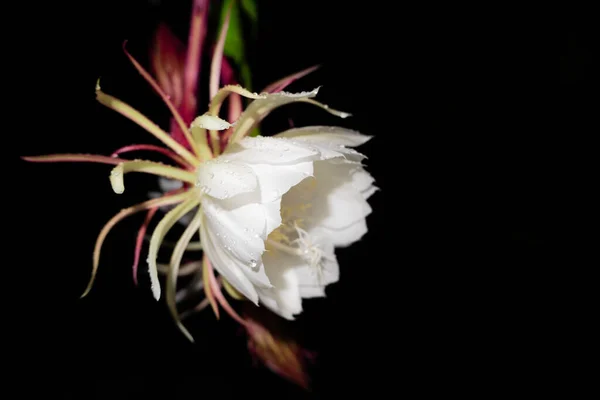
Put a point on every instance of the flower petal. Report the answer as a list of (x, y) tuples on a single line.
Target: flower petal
[(273, 215), (326, 135), (173, 199), (176, 257), (270, 150), (167, 100), (207, 276), (239, 231), (158, 235), (134, 115), (150, 147), (207, 121), (150, 167), (308, 292), (259, 108), (222, 179), (139, 242), (223, 265), (215, 66), (361, 179), (338, 203), (281, 272), (348, 235), (369, 191), (275, 181)]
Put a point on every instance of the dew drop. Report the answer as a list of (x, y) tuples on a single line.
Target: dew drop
[(253, 263)]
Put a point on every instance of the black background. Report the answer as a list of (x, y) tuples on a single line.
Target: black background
[(479, 117)]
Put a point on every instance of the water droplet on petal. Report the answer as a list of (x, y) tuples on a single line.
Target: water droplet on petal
[(253, 263)]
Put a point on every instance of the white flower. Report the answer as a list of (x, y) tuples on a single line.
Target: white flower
[(269, 210), (275, 208)]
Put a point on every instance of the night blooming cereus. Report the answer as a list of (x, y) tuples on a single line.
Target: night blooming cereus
[(269, 211)]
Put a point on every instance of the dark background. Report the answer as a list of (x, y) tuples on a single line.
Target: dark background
[(479, 117)]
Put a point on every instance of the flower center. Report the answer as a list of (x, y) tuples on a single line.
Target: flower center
[(302, 246)]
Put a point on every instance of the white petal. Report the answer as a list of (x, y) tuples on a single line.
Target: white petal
[(211, 122), (273, 215), (275, 181), (338, 203), (259, 108), (361, 179), (308, 292), (350, 234), (282, 273), (331, 136), (269, 150), (369, 192), (240, 231), (222, 263), (223, 179), (267, 300)]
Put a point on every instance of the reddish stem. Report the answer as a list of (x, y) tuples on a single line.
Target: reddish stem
[(75, 158), (216, 289), (150, 147)]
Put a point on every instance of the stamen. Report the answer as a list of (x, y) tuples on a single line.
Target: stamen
[(310, 252)]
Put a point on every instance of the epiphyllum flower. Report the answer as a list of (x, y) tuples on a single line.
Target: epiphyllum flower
[(269, 210)]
